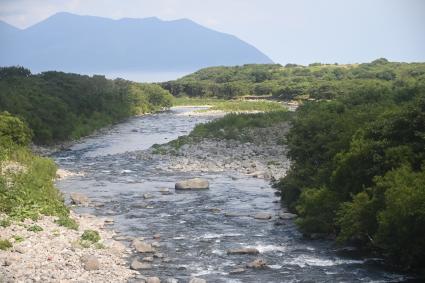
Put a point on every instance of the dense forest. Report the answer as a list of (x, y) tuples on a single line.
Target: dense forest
[(358, 168), (317, 81), (59, 106)]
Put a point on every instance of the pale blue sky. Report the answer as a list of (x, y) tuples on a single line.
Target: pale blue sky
[(298, 31)]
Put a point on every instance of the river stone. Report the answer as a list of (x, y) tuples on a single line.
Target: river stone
[(192, 184), (171, 280), (236, 271), (142, 247), (263, 216), (197, 280), (136, 265), (90, 262), (148, 259), (165, 191), (258, 263), (147, 196), (153, 280), (79, 199), (287, 215), (250, 251)]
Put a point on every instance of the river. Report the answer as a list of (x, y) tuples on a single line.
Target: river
[(195, 232)]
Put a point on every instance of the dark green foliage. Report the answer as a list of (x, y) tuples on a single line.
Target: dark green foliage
[(358, 167), (59, 106), (13, 131), (317, 81)]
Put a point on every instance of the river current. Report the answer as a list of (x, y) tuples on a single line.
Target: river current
[(195, 231)]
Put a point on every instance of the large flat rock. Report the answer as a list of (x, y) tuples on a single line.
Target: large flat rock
[(192, 184)]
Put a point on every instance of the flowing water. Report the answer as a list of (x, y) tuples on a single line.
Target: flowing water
[(195, 232)]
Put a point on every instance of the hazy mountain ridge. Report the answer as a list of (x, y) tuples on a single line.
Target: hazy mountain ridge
[(70, 42)]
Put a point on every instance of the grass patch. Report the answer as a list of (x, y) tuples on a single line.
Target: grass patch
[(91, 236), (5, 244), (67, 222), (29, 193), (35, 228), (18, 238), (230, 105), (5, 222), (232, 125)]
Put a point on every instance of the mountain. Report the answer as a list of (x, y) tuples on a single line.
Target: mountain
[(74, 43)]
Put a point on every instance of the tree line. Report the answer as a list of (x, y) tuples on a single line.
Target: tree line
[(61, 106), (316, 81)]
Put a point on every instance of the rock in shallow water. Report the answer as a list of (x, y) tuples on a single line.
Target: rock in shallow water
[(258, 263), (263, 216), (197, 280), (142, 247), (79, 199), (287, 215), (192, 184), (251, 251), (136, 265), (153, 280)]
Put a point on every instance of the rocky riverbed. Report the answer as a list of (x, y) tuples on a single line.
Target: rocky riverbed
[(261, 154), (233, 230)]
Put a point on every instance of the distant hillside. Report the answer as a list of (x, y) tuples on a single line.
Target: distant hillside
[(68, 42), (317, 81)]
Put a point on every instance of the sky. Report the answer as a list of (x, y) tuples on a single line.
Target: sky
[(296, 31)]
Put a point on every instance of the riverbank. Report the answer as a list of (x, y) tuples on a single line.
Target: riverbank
[(43, 251)]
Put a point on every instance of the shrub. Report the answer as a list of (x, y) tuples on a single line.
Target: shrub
[(91, 236)]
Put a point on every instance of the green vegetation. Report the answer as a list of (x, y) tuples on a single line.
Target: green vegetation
[(67, 222), (232, 125), (5, 244), (58, 106), (317, 81), (35, 228), (18, 238), (26, 180), (230, 105), (91, 236), (358, 168)]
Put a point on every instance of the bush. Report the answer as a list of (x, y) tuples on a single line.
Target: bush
[(91, 236)]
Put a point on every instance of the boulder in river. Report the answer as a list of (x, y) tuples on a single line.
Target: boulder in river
[(237, 270), (258, 263), (192, 184), (197, 280), (287, 215), (250, 251), (153, 280), (136, 265), (263, 216), (79, 199), (142, 247)]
